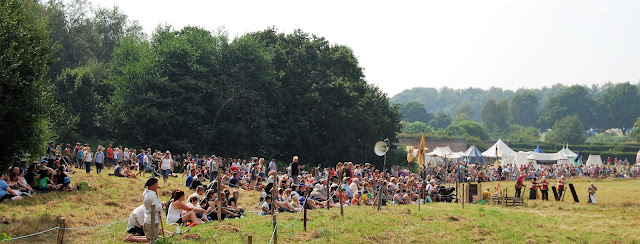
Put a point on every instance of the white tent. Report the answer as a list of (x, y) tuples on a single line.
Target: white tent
[(548, 158), (594, 160), (441, 152), (521, 159), (571, 156), (504, 152)]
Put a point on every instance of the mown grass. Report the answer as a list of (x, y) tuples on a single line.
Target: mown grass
[(613, 220)]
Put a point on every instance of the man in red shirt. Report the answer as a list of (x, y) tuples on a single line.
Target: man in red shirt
[(519, 185), (544, 188), (75, 155), (560, 186), (109, 156)]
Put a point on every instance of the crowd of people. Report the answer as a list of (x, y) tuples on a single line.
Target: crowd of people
[(284, 188)]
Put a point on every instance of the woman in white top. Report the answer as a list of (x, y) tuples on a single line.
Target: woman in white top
[(87, 157), (166, 166), (179, 212)]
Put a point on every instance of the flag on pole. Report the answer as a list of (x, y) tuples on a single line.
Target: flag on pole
[(410, 154), (421, 150), (578, 156)]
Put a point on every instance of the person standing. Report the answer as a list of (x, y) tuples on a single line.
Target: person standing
[(87, 158), (560, 187), (213, 168), (150, 198), (592, 194), (544, 188), (533, 190), (51, 154), (295, 170), (142, 166), (166, 166), (99, 160), (75, 155), (81, 157), (519, 185), (109, 156)]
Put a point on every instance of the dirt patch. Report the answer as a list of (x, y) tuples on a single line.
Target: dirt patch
[(531, 241), (111, 204), (193, 237), (452, 218), (481, 215), (229, 228), (479, 231)]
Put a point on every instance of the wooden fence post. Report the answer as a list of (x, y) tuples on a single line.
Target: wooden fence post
[(153, 224), (250, 239), (61, 230), (305, 216), (275, 229), (328, 193), (219, 212), (341, 209), (463, 195)]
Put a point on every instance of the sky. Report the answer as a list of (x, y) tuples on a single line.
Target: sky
[(458, 44)]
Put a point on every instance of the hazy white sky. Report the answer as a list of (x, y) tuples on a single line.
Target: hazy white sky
[(405, 44)]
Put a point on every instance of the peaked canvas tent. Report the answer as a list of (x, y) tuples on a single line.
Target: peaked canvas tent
[(594, 160), (441, 152), (504, 152), (571, 156), (474, 155), (538, 150)]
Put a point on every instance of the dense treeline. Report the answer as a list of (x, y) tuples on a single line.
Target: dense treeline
[(522, 115), (264, 93)]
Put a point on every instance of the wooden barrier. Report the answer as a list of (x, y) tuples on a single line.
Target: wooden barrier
[(153, 224), (250, 239), (61, 230)]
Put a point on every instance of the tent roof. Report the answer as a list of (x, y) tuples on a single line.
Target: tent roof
[(567, 152), (594, 160), (538, 150), (473, 152), (546, 156), (502, 149), (441, 152)]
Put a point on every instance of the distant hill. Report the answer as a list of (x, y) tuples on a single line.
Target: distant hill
[(448, 99)]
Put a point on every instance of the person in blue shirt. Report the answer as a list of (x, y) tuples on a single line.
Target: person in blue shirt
[(142, 166), (190, 178), (6, 192)]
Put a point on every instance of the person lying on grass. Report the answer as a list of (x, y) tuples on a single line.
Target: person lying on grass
[(181, 213)]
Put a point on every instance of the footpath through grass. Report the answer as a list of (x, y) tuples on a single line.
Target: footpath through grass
[(614, 219)]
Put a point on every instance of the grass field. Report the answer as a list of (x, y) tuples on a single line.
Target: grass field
[(615, 219)]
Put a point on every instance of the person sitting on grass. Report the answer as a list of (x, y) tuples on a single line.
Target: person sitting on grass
[(129, 172), (6, 192), (117, 172), (46, 183), (135, 226), (193, 203), (197, 182), (180, 213), (266, 206), (61, 180), (190, 177)]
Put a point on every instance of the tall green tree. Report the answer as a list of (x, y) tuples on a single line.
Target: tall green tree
[(568, 129), (622, 105), (414, 111), (496, 117), (440, 121), (25, 102), (573, 100), (524, 107)]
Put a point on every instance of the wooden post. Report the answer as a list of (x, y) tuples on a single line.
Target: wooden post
[(328, 193), (220, 195), (274, 192), (463, 195), (304, 225), (61, 230), (275, 228), (419, 196), (467, 193), (380, 197), (250, 239), (341, 209), (153, 224)]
